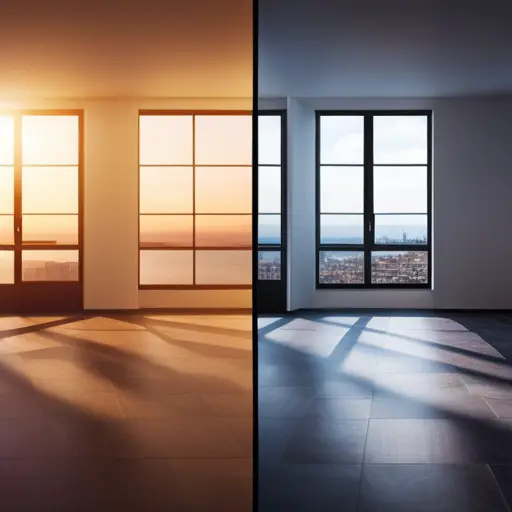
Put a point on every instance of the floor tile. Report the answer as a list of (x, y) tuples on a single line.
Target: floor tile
[(303, 488), (502, 408), (340, 408), (416, 441), (326, 442), (230, 405), (503, 475), (343, 386), (428, 407), (429, 487), (273, 437), (284, 402)]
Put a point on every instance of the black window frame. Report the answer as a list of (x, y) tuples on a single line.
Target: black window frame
[(369, 246), (282, 246)]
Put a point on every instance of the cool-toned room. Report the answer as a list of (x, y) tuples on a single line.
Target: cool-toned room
[(385, 332)]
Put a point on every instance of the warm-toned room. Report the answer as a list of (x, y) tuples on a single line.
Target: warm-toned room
[(125, 256)]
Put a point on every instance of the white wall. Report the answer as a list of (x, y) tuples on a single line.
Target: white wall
[(111, 205), (472, 210)]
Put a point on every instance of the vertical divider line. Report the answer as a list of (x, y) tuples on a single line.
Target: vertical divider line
[(369, 224), (194, 199), (18, 226)]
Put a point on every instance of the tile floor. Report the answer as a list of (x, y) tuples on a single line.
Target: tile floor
[(132, 413), (389, 412)]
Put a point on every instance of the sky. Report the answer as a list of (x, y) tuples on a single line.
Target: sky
[(50, 144), (397, 190), (222, 153)]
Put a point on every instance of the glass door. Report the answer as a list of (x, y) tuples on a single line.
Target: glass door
[(40, 212)]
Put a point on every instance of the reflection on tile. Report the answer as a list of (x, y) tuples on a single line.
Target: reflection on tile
[(306, 341), (425, 323), (414, 441), (429, 407), (324, 325), (433, 384)]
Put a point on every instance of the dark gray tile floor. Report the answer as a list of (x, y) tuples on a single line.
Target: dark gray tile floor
[(385, 412)]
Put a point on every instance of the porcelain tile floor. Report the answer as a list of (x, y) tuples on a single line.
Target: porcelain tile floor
[(390, 412), (131, 413)]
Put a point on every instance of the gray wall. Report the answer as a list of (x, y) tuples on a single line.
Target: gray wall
[(392, 48), (472, 173)]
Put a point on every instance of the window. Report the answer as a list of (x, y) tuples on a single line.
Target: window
[(374, 172), (40, 224), (195, 200), (270, 196)]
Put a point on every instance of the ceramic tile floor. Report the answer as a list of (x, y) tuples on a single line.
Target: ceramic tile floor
[(390, 412), (132, 413)]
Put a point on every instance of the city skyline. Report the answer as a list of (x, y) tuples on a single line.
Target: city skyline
[(396, 267)]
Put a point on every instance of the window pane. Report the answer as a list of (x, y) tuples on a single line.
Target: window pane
[(341, 140), (166, 267), (166, 230), (341, 229), (400, 139), (341, 190), (6, 140), (50, 140), (408, 267), (50, 229), (6, 267), (223, 230), (166, 190), (165, 140), (269, 140), (50, 189), (401, 229), (223, 267), (400, 189), (341, 267), (6, 229), (224, 140), (6, 189), (269, 190), (269, 229), (269, 265), (49, 265), (223, 190)]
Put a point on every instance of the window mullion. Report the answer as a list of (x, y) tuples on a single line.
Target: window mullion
[(369, 224)]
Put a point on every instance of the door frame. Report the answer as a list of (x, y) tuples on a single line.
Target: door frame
[(272, 295)]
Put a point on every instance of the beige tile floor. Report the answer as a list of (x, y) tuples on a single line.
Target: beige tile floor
[(142, 412)]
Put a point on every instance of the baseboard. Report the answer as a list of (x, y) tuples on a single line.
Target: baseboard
[(170, 311), (402, 311)]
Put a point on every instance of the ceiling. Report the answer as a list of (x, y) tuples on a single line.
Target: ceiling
[(126, 48), (377, 48)]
